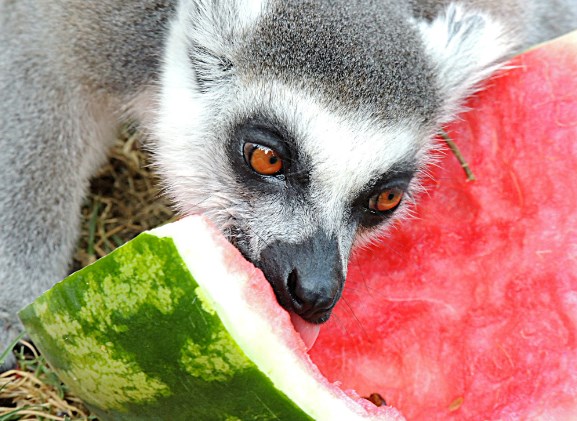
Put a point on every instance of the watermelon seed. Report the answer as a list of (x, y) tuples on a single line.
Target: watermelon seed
[(456, 404), (377, 399)]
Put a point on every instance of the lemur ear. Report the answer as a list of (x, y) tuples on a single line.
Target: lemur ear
[(213, 29), (467, 46)]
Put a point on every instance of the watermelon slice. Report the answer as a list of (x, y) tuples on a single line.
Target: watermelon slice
[(468, 312), (176, 325)]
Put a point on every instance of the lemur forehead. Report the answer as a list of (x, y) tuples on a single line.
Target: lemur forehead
[(361, 53), (348, 154)]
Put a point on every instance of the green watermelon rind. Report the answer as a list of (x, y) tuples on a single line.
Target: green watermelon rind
[(105, 365), (160, 329)]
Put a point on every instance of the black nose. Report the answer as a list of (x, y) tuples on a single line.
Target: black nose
[(307, 276), (312, 297)]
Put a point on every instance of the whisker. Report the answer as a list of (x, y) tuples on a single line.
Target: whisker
[(356, 262), (355, 316)]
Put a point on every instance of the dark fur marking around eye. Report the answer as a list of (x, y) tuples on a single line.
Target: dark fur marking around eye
[(273, 135), (399, 176)]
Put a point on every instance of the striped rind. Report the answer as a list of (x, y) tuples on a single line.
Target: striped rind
[(167, 327)]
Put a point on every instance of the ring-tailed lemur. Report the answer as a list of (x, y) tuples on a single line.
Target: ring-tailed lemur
[(298, 127)]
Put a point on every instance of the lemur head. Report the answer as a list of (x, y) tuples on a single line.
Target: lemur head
[(301, 128)]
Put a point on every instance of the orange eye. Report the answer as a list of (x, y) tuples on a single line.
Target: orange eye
[(263, 160), (386, 200)]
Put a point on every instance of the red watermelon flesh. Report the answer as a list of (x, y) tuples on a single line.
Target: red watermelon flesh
[(469, 311)]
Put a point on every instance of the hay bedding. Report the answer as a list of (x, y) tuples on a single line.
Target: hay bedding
[(123, 202)]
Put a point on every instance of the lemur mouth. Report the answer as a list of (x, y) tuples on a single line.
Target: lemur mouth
[(309, 331)]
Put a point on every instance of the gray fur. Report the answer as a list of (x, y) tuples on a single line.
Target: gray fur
[(532, 22), (349, 66), (70, 71)]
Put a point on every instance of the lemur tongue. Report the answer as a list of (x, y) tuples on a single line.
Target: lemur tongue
[(308, 331)]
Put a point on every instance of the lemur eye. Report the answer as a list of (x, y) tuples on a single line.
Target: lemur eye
[(263, 160), (386, 200)]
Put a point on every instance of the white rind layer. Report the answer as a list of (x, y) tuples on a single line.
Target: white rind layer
[(224, 287)]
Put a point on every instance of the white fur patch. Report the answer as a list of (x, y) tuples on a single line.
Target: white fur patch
[(250, 11), (178, 96), (467, 47), (216, 23)]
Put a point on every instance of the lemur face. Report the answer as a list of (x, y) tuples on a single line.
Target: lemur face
[(299, 139), (309, 184), (293, 185)]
